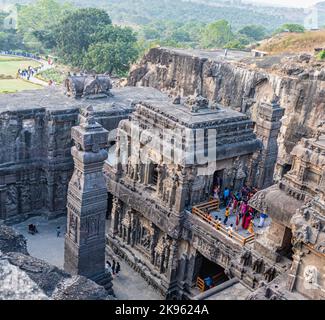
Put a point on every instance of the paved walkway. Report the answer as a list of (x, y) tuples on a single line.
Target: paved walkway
[(241, 230), (35, 80), (129, 285), (45, 245), (44, 63)]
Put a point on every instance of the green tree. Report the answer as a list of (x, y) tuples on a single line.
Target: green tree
[(77, 31), (253, 32), (114, 49), (111, 57), (217, 34), (36, 20), (239, 42), (290, 27)]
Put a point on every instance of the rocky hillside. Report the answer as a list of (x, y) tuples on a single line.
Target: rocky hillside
[(294, 42), (242, 82)]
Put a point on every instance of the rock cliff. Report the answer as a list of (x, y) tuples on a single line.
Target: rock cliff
[(242, 82)]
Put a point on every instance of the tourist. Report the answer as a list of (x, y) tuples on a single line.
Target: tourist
[(216, 193), (208, 282), (263, 216), (113, 266), (235, 203), (246, 220), (251, 227), (58, 231), (118, 268), (226, 194), (238, 216), (218, 223), (243, 208), (109, 267), (230, 230), (31, 229), (227, 213)]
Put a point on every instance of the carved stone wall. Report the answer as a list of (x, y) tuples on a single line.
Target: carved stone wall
[(35, 143)]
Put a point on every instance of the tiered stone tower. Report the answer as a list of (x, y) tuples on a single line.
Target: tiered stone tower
[(87, 202), (268, 126)]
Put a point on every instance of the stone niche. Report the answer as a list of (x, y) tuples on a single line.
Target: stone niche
[(310, 278)]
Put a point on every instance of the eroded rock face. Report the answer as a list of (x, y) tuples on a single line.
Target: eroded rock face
[(11, 241), (243, 83), (23, 277)]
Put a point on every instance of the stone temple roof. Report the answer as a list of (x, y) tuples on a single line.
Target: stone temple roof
[(203, 118), (54, 99)]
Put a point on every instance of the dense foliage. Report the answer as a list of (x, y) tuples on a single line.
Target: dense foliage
[(86, 38), (291, 27)]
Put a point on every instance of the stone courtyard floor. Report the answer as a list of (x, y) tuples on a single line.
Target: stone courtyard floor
[(46, 246), (232, 220)]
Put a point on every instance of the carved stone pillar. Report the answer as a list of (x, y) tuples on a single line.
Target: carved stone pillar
[(267, 129), (3, 191), (181, 193), (87, 202), (153, 242), (171, 272), (294, 270), (116, 212)]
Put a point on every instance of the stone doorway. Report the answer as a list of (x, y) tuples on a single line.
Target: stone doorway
[(286, 248), (218, 179), (207, 274)]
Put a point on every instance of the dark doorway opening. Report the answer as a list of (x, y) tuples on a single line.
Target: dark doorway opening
[(286, 249), (109, 206), (208, 274), (218, 179), (286, 169)]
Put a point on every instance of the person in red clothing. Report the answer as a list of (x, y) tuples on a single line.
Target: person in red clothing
[(237, 221)]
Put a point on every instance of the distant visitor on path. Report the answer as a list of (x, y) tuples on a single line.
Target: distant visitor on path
[(118, 268), (226, 194), (227, 214), (113, 267), (109, 267), (58, 231)]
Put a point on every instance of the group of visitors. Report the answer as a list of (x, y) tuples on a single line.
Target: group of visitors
[(27, 73), (236, 204), (20, 54), (32, 229), (114, 268)]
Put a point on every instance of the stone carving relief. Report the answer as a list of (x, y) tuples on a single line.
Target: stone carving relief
[(258, 201), (11, 199), (88, 86), (196, 103)]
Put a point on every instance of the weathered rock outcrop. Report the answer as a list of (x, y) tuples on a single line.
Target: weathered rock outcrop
[(243, 82), (23, 277), (11, 241)]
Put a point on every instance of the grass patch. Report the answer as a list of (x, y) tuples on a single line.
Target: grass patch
[(321, 55), (295, 42), (10, 67), (15, 85), (8, 70), (58, 76), (10, 58)]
